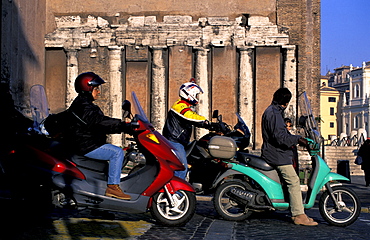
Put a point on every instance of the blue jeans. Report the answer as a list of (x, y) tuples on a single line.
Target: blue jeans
[(181, 153), (115, 157)]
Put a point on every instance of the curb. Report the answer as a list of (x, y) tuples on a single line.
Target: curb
[(365, 209), (209, 198), (204, 198)]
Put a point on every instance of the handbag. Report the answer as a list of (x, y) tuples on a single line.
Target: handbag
[(358, 160)]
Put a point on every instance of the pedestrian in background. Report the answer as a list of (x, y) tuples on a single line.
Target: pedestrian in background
[(364, 153)]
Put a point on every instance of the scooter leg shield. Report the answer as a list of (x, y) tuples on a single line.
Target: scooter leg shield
[(177, 183)]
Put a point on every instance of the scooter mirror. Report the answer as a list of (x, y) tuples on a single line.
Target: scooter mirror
[(215, 114), (302, 121), (126, 107), (219, 118)]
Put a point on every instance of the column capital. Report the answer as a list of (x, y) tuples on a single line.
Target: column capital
[(158, 47), (201, 49), (245, 48), (289, 47), (71, 49), (115, 47)]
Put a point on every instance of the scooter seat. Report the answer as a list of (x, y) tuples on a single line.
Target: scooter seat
[(90, 163), (254, 161)]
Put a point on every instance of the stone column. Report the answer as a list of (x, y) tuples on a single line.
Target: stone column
[(72, 73), (350, 91), (158, 96), (115, 88), (290, 80), (201, 75), (349, 123), (344, 130), (368, 122), (362, 120), (246, 87)]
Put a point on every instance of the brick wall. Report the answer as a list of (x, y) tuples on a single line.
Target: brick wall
[(302, 18)]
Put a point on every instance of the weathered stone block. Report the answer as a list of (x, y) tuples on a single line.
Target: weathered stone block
[(68, 21), (177, 19)]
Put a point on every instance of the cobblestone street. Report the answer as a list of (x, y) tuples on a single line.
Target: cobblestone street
[(21, 222)]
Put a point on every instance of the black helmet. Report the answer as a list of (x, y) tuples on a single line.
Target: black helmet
[(85, 82)]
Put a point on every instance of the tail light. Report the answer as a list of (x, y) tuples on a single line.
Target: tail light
[(57, 165), (222, 163), (68, 168), (11, 152)]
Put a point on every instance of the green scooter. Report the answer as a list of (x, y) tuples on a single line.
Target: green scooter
[(250, 184)]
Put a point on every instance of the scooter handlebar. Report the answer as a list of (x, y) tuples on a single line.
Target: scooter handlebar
[(313, 147)]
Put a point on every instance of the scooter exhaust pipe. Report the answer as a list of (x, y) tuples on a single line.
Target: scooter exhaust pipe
[(241, 196), (249, 199)]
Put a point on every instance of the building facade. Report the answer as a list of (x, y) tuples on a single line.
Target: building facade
[(356, 113), (329, 101), (240, 52), (353, 83)]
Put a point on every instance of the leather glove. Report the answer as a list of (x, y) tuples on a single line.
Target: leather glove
[(208, 125), (214, 127), (129, 127), (205, 124), (303, 142)]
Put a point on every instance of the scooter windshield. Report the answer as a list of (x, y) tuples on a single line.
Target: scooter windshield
[(307, 120), (39, 105), (138, 109), (242, 126)]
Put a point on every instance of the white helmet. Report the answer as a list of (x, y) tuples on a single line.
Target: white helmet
[(189, 91)]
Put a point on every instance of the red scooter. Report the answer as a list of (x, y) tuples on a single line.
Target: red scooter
[(81, 182)]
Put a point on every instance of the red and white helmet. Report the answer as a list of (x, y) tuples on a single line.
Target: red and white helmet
[(189, 91)]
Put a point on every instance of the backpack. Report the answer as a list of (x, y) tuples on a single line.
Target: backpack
[(61, 124)]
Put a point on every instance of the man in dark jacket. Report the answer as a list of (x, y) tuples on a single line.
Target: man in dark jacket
[(88, 137), (277, 151)]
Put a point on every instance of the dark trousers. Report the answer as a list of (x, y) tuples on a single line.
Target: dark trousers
[(367, 177)]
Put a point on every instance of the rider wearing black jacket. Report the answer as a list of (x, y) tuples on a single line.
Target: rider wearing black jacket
[(92, 126), (277, 151), (89, 130)]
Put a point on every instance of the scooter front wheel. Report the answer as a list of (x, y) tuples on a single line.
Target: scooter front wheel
[(178, 214), (226, 207), (348, 210)]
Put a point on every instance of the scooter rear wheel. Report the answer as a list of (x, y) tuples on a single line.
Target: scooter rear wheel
[(178, 215), (349, 207), (227, 208)]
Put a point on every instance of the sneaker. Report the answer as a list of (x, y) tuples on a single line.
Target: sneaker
[(113, 190)]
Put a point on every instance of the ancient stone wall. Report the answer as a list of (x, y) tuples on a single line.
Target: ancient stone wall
[(238, 66), (240, 52)]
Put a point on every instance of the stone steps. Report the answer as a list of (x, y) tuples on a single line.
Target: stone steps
[(333, 153)]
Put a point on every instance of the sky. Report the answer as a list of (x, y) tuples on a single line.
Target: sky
[(345, 33)]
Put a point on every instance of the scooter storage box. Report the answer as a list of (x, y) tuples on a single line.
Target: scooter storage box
[(222, 147)]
